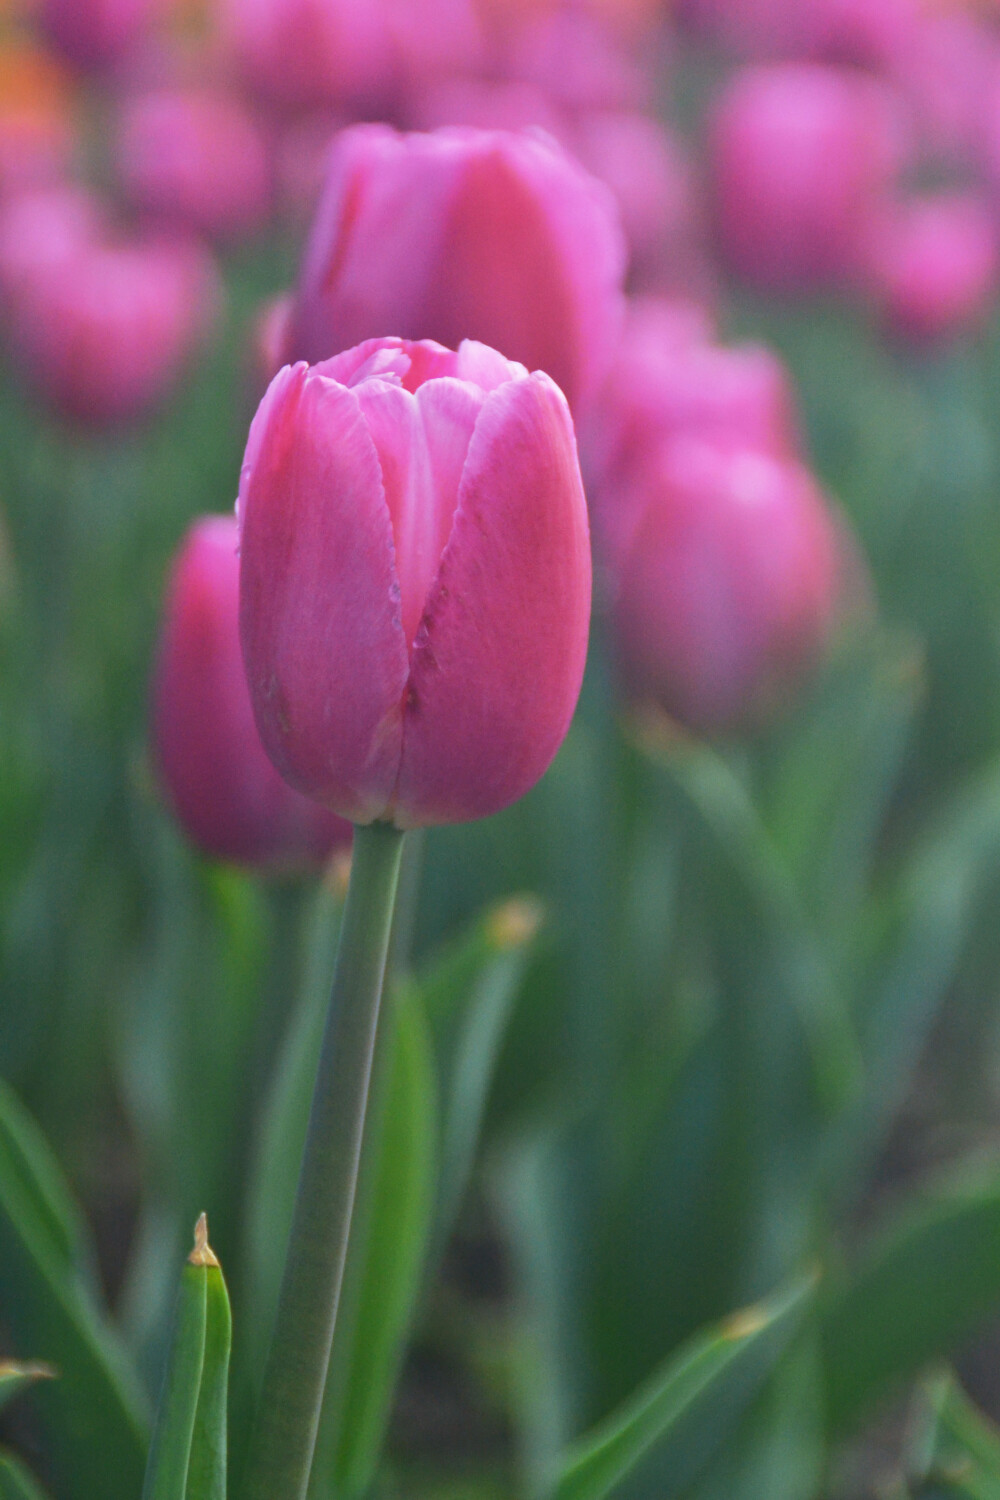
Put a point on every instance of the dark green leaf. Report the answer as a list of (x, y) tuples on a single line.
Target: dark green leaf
[(15, 1378), (16, 1483)]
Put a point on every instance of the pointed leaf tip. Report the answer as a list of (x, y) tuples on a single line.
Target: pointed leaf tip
[(202, 1254)]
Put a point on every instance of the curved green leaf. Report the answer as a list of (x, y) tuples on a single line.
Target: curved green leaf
[(16, 1483), (187, 1458), (675, 1422)]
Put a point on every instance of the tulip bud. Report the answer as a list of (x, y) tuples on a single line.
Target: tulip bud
[(106, 332), (669, 380), (802, 156), (934, 267), (728, 589), (464, 233), (195, 157), (98, 33), (415, 582), (301, 54), (225, 792)]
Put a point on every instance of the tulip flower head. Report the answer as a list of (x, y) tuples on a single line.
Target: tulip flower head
[(934, 267), (464, 233), (226, 794), (729, 587), (99, 33), (415, 579)]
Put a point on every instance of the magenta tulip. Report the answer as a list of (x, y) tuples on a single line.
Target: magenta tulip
[(729, 588), (463, 233), (195, 157), (670, 380), (802, 157), (98, 33), (934, 267), (42, 231), (226, 794), (415, 585), (105, 332), (301, 54)]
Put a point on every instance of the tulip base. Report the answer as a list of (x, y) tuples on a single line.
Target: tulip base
[(284, 1437)]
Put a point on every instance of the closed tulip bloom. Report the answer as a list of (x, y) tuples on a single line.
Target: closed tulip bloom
[(729, 589), (464, 233), (41, 231), (196, 157), (106, 333), (802, 156), (226, 794), (99, 33), (415, 586), (302, 54), (934, 267)]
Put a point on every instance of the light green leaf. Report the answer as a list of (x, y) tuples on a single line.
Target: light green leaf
[(958, 1452), (16, 1483), (92, 1417), (187, 1458), (660, 1440)]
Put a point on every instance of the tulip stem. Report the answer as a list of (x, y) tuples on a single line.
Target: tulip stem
[(284, 1438)]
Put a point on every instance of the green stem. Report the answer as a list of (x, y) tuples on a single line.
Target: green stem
[(291, 1400)]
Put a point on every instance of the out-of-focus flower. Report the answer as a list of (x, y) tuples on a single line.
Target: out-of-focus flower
[(105, 333), (576, 60), (934, 266), (307, 53), (226, 794), (945, 67), (195, 156), (41, 231), (488, 104), (669, 381), (98, 33), (269, 338), (648, 172), (415, 583), (464, 233), (730, 587), (37, 136), (853, 31), (802, 156)]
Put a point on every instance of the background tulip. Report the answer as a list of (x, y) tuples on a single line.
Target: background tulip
[(97, 33), (802, 156), (728, 587), (934, 266), (464, 233), (105, 332), (307, 53), (196, 157), (415, 586), (226, 794)]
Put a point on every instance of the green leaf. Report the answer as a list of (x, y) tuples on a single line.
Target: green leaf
[(187, 1458), (16, 1483), (958, 1452), (663, 1436), (15, 1377), (92, 1417), (385, 1263), (925, 1283)]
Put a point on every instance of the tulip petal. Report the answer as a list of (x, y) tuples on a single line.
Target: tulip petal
[(319, 600), (499, 656)]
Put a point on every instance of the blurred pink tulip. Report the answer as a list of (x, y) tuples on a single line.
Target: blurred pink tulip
[(415, 585), (106, 333), (301, 54), (671, 382), (729, 589), (99, 33), (226, 794), (196, 157), (575, 58), (42, 231), (488, 104), (945, 67), (647, 170), (269, 337), (934, 266), (464, 233), (802, 155), (865, 32)]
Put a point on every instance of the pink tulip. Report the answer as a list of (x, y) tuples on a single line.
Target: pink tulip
[(854, 31), (576, 59), (670, 381), (301, 54), (225, 792), (106, 333), (729, 589), (98, 33), (802, 156), (945, 67), (41, 232), (934, 267), (464, 233), (415, 585), (195, 156), (488, 104)]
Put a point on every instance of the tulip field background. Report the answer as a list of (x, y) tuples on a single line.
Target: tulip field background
[(688, 1175)]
